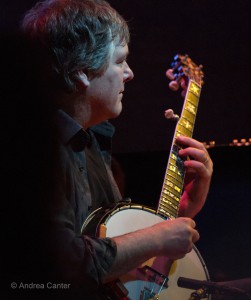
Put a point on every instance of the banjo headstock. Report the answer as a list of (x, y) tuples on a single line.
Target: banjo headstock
[(182, 70)]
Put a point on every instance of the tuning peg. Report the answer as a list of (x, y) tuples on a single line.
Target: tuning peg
[(174, 85), (176, 78), (169, 114), (169, 74)]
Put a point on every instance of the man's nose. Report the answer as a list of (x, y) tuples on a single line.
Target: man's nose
[(128, 74)]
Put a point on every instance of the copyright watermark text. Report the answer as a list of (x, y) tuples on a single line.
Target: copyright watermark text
[(39, 286)]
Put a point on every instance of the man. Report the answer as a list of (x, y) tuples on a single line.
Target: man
[(79, 50)]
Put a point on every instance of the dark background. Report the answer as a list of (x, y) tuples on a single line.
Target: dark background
[(217, 35)]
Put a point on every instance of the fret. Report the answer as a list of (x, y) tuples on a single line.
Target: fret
[(188, 120), (174, 155), (191, 104), (168, 206), (175, 189), (177, 133), (166, 214), (185, 123), (173, 179), (192, 101), (174, 169), (168, 194), (184, 131), (172, 190), (175, 176), (188, 115), (194, 88), (170, 210), (191, 108)]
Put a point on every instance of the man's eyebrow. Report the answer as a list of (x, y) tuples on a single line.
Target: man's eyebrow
[(122, 55)]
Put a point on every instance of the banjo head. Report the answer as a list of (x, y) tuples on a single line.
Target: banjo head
[(165, 272)]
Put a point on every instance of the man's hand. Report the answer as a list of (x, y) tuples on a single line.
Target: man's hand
[(199, 169)]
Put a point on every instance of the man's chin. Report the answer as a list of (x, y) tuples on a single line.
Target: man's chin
[(117, 115), (116, 112)]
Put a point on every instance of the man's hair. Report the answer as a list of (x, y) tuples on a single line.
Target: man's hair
[(77, 34)]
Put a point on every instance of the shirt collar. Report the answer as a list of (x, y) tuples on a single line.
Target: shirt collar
[(70, 131)]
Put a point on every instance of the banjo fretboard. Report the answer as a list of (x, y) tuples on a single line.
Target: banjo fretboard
[(174, 177)]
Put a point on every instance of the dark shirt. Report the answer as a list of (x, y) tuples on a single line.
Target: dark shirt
[(85, 183), (60, 174)]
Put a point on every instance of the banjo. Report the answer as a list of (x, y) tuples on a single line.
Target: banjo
[(157, 278)]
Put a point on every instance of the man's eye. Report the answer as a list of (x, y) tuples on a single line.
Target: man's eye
[(120, 62)]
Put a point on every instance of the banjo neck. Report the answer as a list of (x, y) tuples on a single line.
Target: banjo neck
[(172, 187)]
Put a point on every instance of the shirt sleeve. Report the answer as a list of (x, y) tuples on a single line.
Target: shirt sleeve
[(82, 260)]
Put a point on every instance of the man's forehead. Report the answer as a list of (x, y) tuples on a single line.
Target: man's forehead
[(122, 49)]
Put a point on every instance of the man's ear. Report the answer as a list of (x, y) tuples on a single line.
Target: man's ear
[(82, 79)]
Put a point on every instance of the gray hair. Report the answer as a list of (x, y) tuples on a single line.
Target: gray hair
[(77, 35)]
